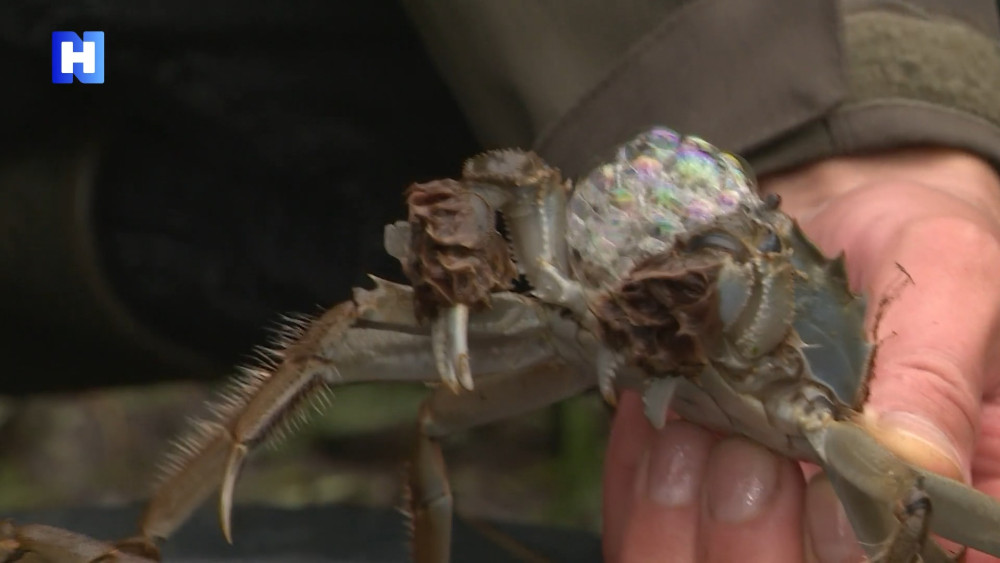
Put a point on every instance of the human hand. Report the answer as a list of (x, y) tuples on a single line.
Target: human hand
[(684, 494)]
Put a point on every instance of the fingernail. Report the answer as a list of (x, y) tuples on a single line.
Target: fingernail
[(742, 480), (830, 532), (910, 434), (675, 464)]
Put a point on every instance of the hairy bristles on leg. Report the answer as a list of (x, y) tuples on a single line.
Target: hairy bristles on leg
[(228, 405), (260, 405), (297, 320), (265, 358), (289, 330), (235, 395), (311, 402)]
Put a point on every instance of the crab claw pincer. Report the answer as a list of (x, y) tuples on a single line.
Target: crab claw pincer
[(456, 259)]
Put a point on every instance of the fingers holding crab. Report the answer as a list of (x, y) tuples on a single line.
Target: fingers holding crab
[(693, 496)]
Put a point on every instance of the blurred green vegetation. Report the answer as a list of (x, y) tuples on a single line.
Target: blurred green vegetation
[(102, 448)]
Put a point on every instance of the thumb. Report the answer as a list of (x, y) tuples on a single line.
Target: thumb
[(932, 349), (933, 336), (934, 339)]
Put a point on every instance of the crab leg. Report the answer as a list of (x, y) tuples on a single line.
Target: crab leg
[(497, 396), (870, 518), (962, 514), (890, 536), (55, 544), (532, 196), (909, 539), (374, 337)]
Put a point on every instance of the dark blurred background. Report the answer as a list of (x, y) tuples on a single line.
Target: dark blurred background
[(239, 162)]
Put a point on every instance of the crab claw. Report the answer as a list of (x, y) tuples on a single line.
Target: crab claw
[(232, 472), (451, 347), (657, 398), (455, 260)]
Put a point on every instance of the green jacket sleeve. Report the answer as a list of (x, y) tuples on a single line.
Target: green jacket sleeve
[(782, 82)]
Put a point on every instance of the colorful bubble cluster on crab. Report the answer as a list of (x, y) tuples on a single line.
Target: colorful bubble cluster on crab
[(659, 186)]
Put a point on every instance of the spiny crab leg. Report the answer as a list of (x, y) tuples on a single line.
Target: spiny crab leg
[(964, 515), (375, 337), (55, 544), (498, 396)]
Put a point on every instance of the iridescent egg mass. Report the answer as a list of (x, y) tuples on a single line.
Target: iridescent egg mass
[(659, 186)]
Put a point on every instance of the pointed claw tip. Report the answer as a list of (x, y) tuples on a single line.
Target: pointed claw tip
[(442, 360), (464, 371), (610, 397), (452, 384), (448, 376), (607, 372), (657, 399), (232, 471), (225, 511)]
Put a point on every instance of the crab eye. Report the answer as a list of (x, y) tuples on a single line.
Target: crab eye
[(771, 243)]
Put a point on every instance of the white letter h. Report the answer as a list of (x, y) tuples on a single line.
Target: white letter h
[(84, 57)]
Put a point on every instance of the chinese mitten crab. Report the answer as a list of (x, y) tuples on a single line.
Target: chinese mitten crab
[(660, 271)]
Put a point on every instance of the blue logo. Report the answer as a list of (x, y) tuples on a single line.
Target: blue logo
[(82, 58)]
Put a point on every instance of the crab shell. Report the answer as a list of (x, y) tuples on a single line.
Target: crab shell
[(749, 323), (692, 275)]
